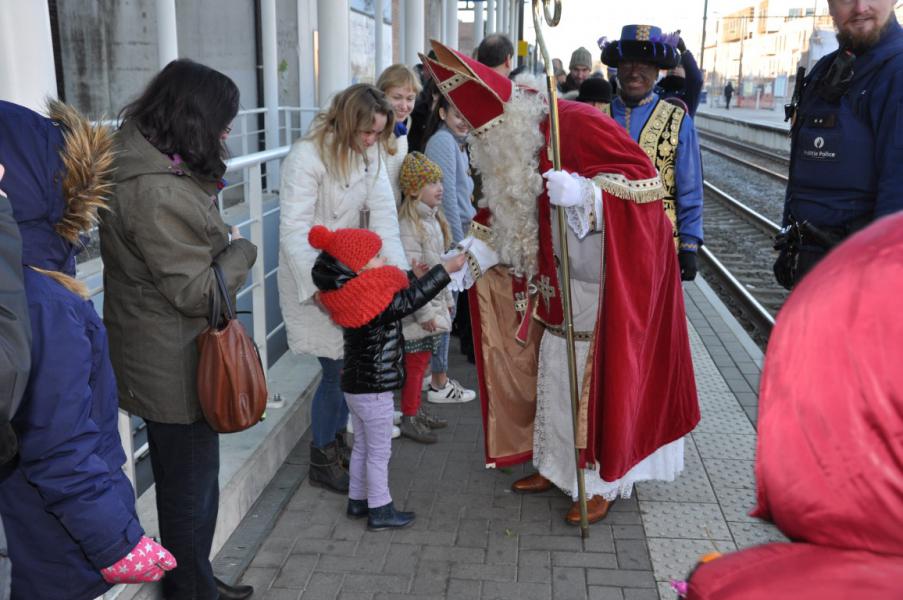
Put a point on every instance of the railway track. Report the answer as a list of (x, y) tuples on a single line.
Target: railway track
[(737, 259)]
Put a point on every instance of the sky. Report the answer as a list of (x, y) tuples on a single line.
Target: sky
[(585, 21)]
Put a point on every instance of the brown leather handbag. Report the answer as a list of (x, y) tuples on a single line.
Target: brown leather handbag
[(231, 383)]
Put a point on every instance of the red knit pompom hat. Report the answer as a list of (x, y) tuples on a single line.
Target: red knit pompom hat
[(352, 247)]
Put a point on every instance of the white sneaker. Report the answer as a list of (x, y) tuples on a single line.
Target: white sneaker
[(452, 393), (396, 418), (396, 432), (348, 427), (427, 380)]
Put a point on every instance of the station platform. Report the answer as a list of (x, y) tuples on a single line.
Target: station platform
[(762, 116), (475, 539)]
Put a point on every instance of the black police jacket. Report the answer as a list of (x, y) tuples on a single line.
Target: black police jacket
[(374, 353)]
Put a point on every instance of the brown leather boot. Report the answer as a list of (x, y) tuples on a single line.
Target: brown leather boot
[(596, 509), (531, 484)]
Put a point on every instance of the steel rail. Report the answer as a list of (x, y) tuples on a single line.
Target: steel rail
[(745, 163), (757, 219), (744, 147), (758, 313)]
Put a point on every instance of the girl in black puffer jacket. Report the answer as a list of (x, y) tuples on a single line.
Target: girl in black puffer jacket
[(368, 299)]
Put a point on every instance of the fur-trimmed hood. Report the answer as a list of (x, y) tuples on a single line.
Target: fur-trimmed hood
[(57, 178)]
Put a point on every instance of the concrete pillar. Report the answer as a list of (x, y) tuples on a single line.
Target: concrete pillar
[(334, 27), (504, 5), (490, 16), (451, 23), (477, 23), (167, 32), (379, 54), (268, 28), (515, 26), (414, 28), (27, 72)]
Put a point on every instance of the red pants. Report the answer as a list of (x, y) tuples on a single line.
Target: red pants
[(415, 366)]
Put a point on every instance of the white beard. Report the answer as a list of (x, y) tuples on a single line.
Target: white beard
[(508, 159)]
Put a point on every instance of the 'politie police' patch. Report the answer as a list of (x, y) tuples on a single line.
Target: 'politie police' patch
[(819, 147)]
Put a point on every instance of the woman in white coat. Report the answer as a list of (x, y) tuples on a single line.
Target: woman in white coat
[(332, 177)]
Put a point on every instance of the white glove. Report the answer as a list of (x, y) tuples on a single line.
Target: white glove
[(563, 189)]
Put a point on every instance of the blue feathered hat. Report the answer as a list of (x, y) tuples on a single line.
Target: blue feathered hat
[(644, 43)]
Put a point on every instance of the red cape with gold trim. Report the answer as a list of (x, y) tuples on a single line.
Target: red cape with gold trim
[(642, 391)]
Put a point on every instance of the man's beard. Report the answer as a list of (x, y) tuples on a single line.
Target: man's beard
[(507, 157), (860, 44)]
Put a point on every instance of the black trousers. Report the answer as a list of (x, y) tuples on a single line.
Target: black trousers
[(185, 462)]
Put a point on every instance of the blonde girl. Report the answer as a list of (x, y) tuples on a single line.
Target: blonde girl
[(401, 86), (425, 236), (334, 177)]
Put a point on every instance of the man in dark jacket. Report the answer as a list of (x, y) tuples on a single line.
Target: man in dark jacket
[(15, 353), (846, 147), (728, 93)]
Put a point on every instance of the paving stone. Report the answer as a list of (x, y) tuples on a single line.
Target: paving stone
[(391, 596), (673, 558), (595, 560), (296, 571), (323, 586), (261, 577), (502, 548), (426, 538), (632, 554), (472, 533), (665, 592), (328, 546), (736, 504), (401, 559), (684, 520), (690, 486), (350, 564), (484, 572), (726, 473), (568, 583), (534, 566), (273, 552), (530, 541), (600, 537), (452, 554), (355, 595), (605, 593), (619, 578), (280, 594), (431, 575), (465, 589), (494, 590), (726, 445), (752, 534), (373, 583), (640, 594)]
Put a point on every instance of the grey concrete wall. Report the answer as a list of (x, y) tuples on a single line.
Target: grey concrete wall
[(108, 52), (109, 48)]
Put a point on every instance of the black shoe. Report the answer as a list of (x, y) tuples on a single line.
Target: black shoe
[(344, 450), (386, 517), (357, 509), (325, 470), (233, 592)]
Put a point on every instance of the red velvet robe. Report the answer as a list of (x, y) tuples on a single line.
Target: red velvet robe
[(643, 392)]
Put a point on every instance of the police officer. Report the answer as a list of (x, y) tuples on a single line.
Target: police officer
[(846, 165)]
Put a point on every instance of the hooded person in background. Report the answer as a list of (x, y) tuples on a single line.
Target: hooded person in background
[(832, 399), (580, 68), (15, 354), (683, 82), (68, 506)]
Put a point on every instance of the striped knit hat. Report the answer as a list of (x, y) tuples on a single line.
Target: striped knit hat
[(417, 171)]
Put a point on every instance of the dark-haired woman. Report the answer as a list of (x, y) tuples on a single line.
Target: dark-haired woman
[(159, 239)]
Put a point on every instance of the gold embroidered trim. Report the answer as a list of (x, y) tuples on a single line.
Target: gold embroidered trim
[(481, 232), (580, 336), (640, 191), (474, 265)]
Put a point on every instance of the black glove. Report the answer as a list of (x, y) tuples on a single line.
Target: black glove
[(681, 45), (687, 262)]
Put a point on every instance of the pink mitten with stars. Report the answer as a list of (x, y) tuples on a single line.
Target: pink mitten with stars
[(146, 562)]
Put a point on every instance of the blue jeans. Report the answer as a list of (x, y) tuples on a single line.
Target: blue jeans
[(328, 411), (185, 461), (439, 361)]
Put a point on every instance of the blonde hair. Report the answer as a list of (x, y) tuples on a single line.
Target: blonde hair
[(398, 75), (408, 210), (334, 131)]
